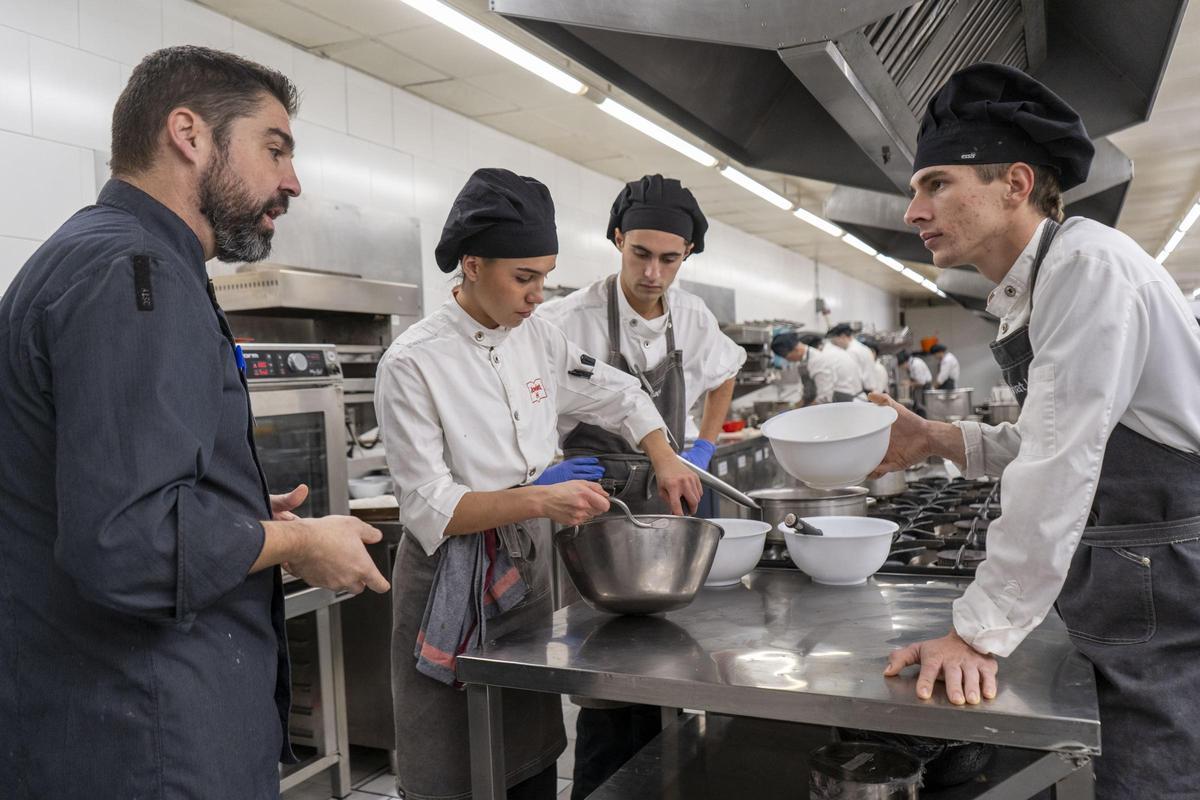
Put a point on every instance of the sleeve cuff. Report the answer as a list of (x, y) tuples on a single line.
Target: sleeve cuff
[(972, 433), (642, 421), (426, 518), (983, 623)]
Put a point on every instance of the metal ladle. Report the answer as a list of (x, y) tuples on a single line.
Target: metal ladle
[(637, 523), (800, 526)]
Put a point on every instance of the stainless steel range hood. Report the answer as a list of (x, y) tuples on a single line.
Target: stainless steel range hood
[(834, 90)]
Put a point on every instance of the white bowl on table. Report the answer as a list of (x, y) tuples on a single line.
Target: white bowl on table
[(833, 445), (852, 549), (739, 550)]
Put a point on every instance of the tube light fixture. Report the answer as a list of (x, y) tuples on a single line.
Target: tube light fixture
[(657, 132), (1177, 235), (751, 185), (820, 223), (460, 22), (859, 244), (889, 262)]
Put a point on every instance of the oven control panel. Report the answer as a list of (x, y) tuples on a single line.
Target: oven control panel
[(285, 362)]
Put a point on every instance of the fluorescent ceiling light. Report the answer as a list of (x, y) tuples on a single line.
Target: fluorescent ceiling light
[(819, 223), (1162, 256), (657, 132), (859, 244), (912, 275), (1173, 242), (940, 293), (493, 41), (930, 285), (751, 185), (1195, 293), (1188, 220), (889, 262)]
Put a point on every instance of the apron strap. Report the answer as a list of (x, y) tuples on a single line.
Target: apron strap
[(1043, 246), (614, 323)]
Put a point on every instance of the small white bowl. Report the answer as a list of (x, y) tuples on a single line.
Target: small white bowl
[(852, 549), (833, 445), (738, 551), (370, 486)]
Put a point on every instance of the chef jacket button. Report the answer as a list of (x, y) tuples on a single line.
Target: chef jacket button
[(1010, 290), (479, 336), (517, 416), (532, 470), (633, 323), (1003, 327), (495, 359), (645, 342)]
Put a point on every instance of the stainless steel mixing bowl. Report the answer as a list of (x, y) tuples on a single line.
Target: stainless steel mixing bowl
[(622, 569)]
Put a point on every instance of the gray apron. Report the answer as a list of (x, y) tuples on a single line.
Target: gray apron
[(432, 743), (1130, 600), (627, 473)]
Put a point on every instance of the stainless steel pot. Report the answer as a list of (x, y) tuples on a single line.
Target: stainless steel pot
[(944, 404), (623, 569), (804, 501), (863, 771), (1003, 412), (888, 485)]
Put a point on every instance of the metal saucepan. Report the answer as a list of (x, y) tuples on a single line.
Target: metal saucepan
[(623, 569), (804, 501), (888, 485)]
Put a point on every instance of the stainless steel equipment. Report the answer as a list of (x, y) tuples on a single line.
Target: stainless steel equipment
[(271, 303), (296, 397), (893, 483), (804, 501), (863, 771), (948, 404), (719, 486), (757, 371), (781, 647), (623, 569), (1003, 412)]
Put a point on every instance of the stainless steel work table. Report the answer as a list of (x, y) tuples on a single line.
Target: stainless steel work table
[(780, 647)]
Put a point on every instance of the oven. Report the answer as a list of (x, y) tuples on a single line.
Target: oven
[(299, 433)]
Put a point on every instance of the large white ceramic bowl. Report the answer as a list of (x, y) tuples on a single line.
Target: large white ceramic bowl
[(852, 549), (739, 550), (833, 445)]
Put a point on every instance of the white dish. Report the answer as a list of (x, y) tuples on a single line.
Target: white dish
[(833, 445), (852, 549), (370, 486), (739, 550)]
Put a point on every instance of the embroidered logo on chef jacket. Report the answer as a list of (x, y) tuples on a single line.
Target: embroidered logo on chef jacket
[(537, 392)]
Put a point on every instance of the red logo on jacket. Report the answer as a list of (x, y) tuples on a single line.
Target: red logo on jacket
[(537, 392)]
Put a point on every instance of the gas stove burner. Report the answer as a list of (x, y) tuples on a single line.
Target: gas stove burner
[(975, 524), (960, 557)]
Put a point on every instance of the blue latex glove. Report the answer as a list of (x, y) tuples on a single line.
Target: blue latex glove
[(700, 453), (582, 468)]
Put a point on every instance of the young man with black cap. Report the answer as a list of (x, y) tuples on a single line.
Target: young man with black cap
[(640, 322), (842, 335), (469, 401), (948, 368), (1101, 514)]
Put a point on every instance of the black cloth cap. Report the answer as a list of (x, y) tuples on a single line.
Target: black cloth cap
[(812, 340), (993, 114), (902, 357), (841, 329), (784, 343), (937, 348), (498, 214), (659, 204)]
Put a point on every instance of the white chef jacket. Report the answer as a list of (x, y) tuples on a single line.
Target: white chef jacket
[(465, 408), (949, 369), (846, 375), (1114, 342), (918, 372), (866, 364), (709, 356), (882, 379)]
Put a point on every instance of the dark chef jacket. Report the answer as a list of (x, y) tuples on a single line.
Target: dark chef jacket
[(137, 658)]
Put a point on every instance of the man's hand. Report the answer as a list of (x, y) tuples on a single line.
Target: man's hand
[(910, 443), (573, 502), (969, 675), (676, 484), (332, 555), (282, 504)]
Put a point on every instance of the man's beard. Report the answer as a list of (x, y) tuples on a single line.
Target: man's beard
[(235, 216)]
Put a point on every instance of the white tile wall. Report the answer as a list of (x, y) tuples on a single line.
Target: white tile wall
[(15, 114), (185, 22), (114, 30), (359, 142), (73, 94), (369, 108), (322, 86), (44, 183), (50, 19)]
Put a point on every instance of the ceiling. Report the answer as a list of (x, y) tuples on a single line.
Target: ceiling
[(391, 41)]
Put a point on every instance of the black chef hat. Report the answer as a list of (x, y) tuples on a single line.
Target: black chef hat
[(498, 214), (660, 204), (841, 329), (993, 114), (784, 343)]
